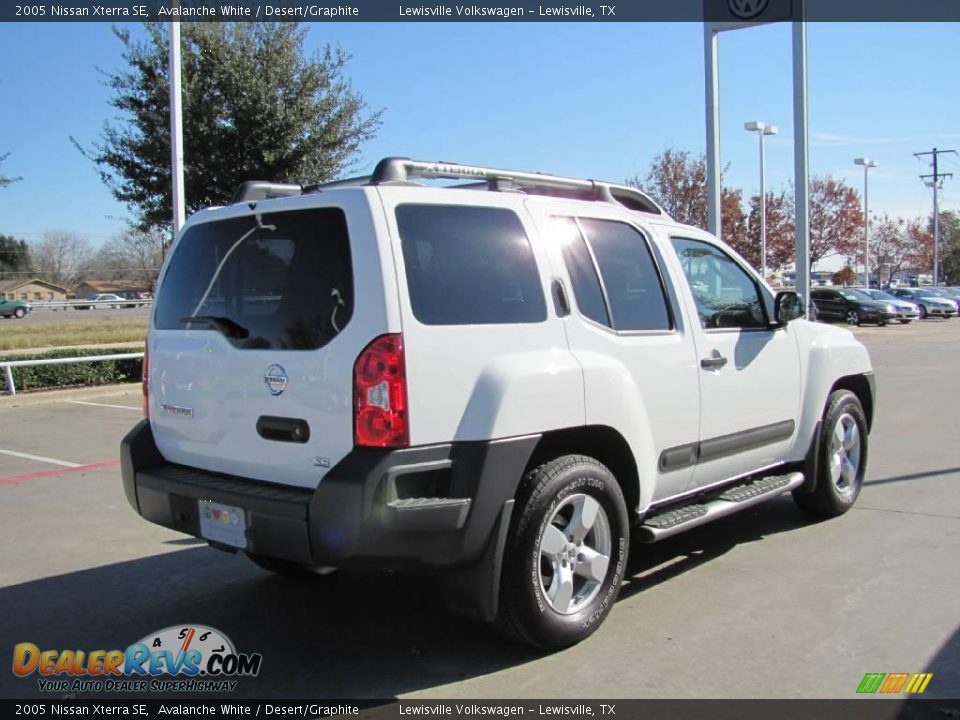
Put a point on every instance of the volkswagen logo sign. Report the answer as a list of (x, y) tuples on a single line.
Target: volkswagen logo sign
[(276, 379), (747, 9)]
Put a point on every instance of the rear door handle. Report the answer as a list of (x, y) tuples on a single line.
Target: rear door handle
[(712, 363)]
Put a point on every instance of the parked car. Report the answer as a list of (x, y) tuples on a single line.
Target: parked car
[(950, 293), (906, 310), (852, 306), (929, 303), (14, 308), (502, 389)]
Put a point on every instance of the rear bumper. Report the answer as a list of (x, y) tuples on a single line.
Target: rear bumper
[(433, 506)]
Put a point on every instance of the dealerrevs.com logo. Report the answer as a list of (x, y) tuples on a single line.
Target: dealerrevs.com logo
[(181, 658)]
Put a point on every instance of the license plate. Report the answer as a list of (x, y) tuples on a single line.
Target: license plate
[(223, 523)]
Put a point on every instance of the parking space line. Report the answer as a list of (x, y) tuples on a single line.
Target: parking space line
[(106, 405), (39, 458), (9, 479)]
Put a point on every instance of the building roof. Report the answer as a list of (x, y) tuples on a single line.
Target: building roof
[(112, 286), (8, 285)]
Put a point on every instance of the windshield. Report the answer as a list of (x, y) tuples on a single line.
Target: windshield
[(272, 281), (879, 295), (854, 294)]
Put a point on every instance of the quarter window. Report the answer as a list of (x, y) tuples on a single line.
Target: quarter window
[(726, 296), (469, 266)]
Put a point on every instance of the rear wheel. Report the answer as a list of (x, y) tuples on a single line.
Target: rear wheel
[(19, 313), (842, 458), (566, 553)]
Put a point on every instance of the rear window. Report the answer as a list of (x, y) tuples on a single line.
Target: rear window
[(272, 281), (469, 266)]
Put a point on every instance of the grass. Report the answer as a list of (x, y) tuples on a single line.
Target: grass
[(94, 332)]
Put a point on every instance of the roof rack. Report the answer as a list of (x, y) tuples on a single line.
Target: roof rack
[(399, 170)]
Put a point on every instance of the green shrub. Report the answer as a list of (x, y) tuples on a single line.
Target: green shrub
[(104, 372)]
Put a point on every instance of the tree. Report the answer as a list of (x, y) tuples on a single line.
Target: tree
[(60, 256), (920, 240), (950, 247), (890, 247), (781, 242), (678, 182), (254, 107), (14, 256), (836, 218), (134, 255), (844, 277), (4, 179)]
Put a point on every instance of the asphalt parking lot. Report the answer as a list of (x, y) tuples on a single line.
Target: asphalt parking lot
[(765, 604)]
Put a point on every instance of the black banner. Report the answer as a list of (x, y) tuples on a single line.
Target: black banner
[(863, 709), (720, 11)]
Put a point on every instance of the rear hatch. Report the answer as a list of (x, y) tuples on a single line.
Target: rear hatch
[(253, 342)]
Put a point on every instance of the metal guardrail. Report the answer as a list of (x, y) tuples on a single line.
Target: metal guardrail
[(8, 372), (92, 304)]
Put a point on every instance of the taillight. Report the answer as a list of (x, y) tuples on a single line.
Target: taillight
[(146, 378), (380, 395)]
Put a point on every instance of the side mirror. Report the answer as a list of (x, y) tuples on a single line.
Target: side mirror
[(788, 306)]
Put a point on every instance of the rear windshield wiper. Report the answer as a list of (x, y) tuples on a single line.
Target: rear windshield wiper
[(224, 324)]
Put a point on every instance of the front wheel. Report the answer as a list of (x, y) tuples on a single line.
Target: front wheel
[(841, 460), (566, 553), (19, 313), (923, 312), (853, 317)]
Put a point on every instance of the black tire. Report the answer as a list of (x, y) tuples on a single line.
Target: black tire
[(923, 312), (905, 322), (852, 317), (526, 613), (834, 497), (19, 313)]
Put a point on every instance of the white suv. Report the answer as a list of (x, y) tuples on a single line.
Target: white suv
[(505, 382)]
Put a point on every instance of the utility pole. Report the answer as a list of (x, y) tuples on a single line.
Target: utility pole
[(934, 182)]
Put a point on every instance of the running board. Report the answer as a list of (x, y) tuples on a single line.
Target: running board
[(673, 521)]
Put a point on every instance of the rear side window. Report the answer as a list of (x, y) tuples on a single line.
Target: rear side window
[(469, 266), (278, 281)]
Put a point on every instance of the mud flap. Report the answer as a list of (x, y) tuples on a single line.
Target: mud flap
[(474, 591)]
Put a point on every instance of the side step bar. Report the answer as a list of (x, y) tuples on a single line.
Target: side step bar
[(672, 521)]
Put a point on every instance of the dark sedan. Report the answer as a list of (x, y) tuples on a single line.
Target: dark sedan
[(851, 306)]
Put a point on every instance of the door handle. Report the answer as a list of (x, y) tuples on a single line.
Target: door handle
[(713, 363)]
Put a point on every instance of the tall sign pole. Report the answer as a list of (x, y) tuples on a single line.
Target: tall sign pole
[(801, 158), (176, 130), (751, 15)]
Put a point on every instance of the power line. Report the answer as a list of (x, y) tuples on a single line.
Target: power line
[(935, 180)]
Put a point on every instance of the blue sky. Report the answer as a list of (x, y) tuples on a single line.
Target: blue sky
[(589, 100)]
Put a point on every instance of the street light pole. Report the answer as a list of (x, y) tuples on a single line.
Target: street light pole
[(762, 129), (867, 164), (176, 129)]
